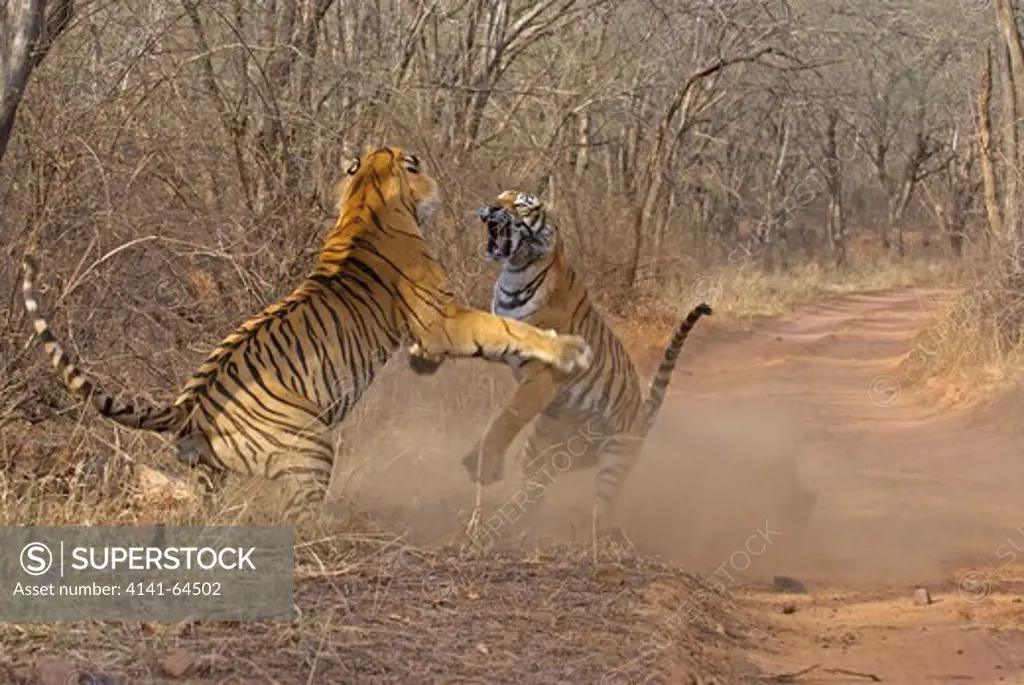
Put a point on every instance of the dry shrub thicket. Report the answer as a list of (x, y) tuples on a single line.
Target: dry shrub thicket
[(175, 164), (978, 337)]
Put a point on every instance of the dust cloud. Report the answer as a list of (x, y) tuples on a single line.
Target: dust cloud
[(767, 458)]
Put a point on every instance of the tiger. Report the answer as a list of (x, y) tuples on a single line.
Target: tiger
[(593, 416), (263, 401)]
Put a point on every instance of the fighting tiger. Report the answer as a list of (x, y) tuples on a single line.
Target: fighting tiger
[(265, 399), (602, 407)]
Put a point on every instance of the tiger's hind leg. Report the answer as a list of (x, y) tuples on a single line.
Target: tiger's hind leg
[(305, 497), (618, 455), (296, 469), (553, 448), (485, 461), (305, 476)]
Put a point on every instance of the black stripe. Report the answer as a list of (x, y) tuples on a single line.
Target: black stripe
[(232, 372), (295, 376)]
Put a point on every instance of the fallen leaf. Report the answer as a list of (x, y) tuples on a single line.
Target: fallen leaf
[(179, 664), (611, 576)]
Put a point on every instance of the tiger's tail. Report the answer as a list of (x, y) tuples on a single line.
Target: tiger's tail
[(160, 419), (652, 405)]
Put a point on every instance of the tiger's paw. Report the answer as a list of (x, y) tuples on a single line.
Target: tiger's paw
[(423, 363), (574, 354), (491, 471)]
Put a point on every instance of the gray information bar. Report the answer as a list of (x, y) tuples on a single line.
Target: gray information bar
[(153, 573)]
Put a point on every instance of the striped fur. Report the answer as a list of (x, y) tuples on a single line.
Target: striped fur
[(264, 400), (593, 417)]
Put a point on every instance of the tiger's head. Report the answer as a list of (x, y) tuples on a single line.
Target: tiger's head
[(392, 173), (518, 231)]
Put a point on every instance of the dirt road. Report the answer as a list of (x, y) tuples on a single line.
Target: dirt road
[(906, 484), (910, 491)]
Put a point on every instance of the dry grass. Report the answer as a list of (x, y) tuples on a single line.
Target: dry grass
[(975, 341), (752, 294), (392, 614), (741, 297)]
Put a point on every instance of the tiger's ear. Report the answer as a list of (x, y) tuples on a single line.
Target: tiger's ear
[(507, 198), (352, 166)]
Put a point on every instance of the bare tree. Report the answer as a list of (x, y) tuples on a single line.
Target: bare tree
[(988, 171), (197, 145), (27, 31), (729, 45), (957, 188), (1013, 80)]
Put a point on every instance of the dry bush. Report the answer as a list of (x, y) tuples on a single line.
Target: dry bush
[(980, 334), (977, 337)]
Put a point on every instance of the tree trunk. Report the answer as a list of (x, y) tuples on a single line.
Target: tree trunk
[(1014, 81), (25, 38), (995, 215), (833, 181), (1010, 157)]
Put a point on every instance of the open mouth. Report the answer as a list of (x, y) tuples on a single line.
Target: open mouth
[(499, 232)]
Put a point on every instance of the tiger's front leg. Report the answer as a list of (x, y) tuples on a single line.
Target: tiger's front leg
[(485, 462), (423, 363), (462, 332)]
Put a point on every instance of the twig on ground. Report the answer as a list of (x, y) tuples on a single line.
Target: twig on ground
[(842, 671), (790, 677)]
